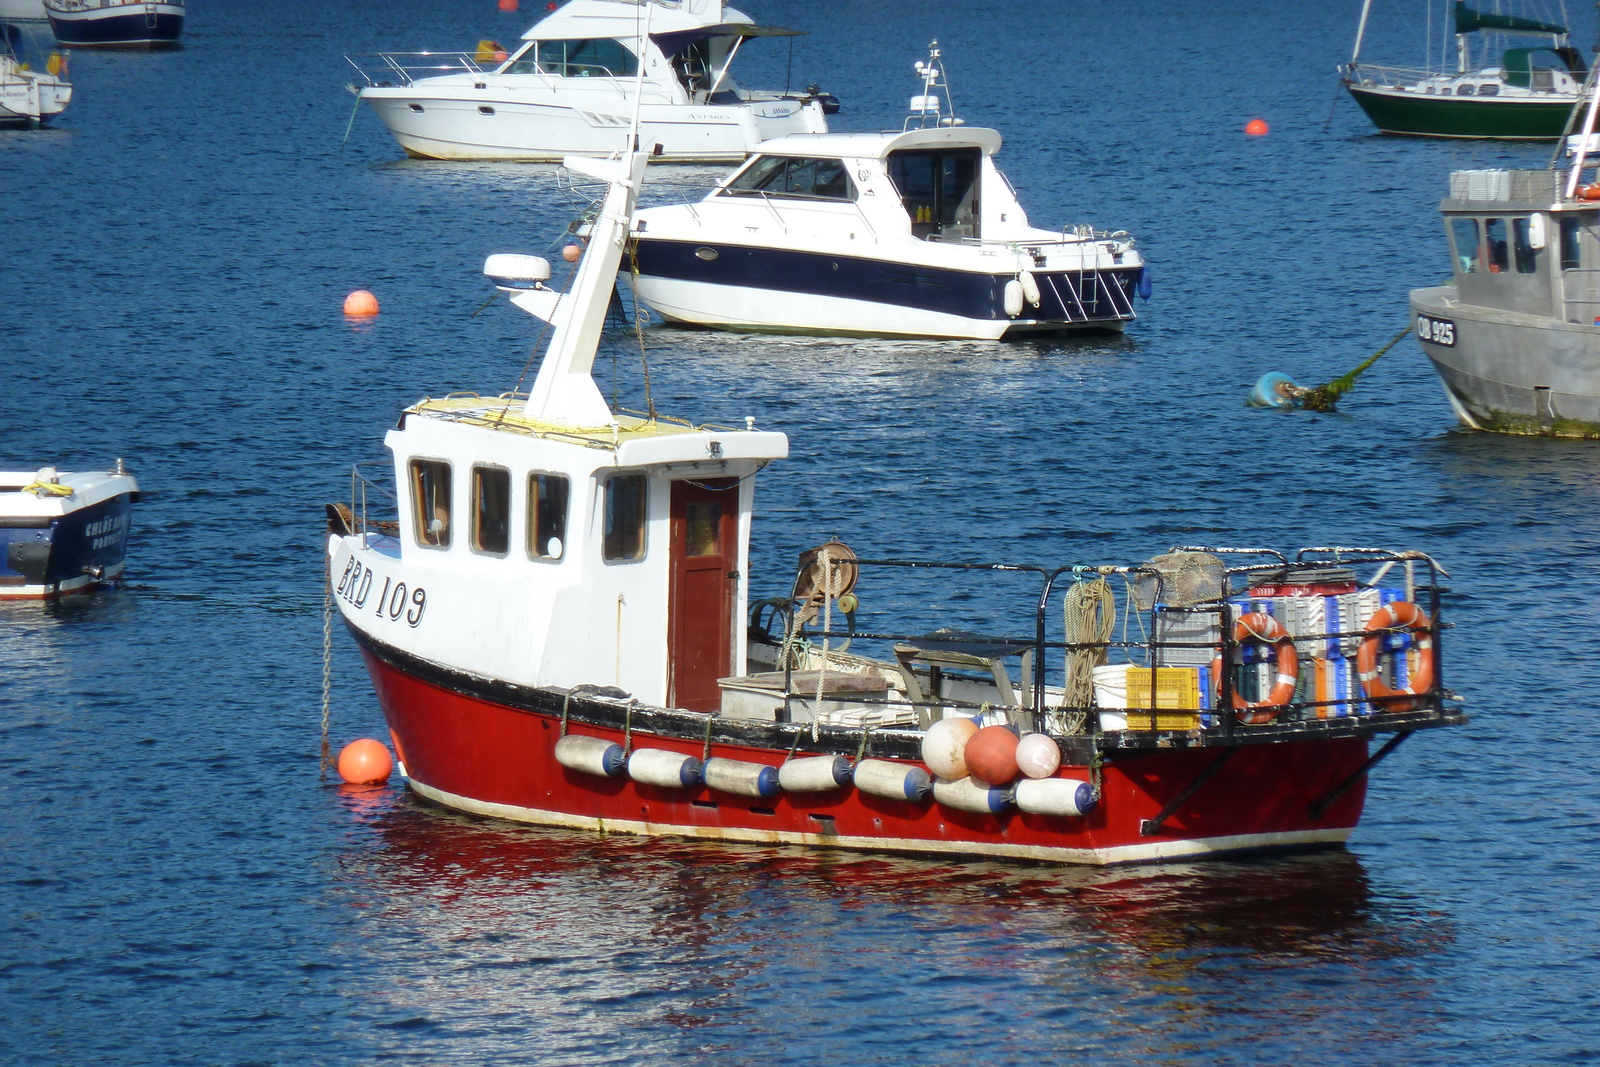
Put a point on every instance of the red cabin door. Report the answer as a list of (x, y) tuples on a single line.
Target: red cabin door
[(705, 554)]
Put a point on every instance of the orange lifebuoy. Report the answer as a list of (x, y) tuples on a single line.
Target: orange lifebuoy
[(1258, 626), (1400, 615)]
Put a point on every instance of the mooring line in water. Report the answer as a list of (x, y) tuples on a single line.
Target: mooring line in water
[(350, 125), (1277, 390), (327, 665)]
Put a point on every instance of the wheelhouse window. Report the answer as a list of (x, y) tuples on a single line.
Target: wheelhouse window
[(594, 57), (939, 188), (1464, 235), (624, 517), (547, 515), (1494, 242), (806, 179), (1571, 259), (1527, 256), (491, 510), (430, 502)]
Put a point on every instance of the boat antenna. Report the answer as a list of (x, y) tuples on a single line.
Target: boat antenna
[(927, 108)]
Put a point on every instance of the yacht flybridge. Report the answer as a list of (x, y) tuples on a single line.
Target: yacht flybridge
[(555, 624), (573, 85), (912, 233)]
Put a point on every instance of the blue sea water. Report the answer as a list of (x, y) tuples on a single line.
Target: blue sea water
[(177, 886)]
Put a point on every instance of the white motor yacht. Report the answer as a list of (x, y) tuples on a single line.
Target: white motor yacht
[(571, 88), (915, 233)]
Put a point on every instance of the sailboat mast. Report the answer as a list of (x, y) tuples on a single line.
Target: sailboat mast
[(1361, 30)]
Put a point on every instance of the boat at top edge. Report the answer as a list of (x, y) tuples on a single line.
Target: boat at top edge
[(1517, 98), (132, 24), (1515, 335), (910, 234), (572, 87), (63, 531), (560, 628)]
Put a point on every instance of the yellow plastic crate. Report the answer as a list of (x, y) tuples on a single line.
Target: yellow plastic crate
[(1177, 698)]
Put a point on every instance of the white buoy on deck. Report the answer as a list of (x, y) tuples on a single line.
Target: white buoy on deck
[(591, 755), (814, 774), (966, 794), (897, 781), (1066, 797), (741, 778), (670, 770)]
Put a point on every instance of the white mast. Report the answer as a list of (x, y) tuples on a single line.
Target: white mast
[(1361, 30)]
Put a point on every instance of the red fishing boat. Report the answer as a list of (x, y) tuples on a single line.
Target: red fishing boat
[(559, 626)]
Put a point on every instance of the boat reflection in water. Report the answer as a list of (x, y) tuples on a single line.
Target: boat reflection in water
[(743, 943)]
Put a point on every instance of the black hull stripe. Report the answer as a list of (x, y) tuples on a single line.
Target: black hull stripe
[(1065, 296)]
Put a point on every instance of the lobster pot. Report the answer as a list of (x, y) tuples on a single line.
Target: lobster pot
[(591, 755), (1062, 797), (963, 794), (897, 781), (814, 774), (657, 766), (740, 778)]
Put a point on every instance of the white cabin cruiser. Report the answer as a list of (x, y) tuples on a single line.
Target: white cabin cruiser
[(572, 87), (915, 233)]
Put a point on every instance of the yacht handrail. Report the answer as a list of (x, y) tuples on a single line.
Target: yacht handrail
[(390, 66)]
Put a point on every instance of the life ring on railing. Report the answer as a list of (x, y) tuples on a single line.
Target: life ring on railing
[(1257, 626), (1400, 615)]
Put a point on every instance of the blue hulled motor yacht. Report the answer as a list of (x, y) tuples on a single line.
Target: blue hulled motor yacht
[(903, 234), (116, 23), (63, 531)]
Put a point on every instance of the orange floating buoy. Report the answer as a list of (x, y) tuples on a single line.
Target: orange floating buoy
[(365, 762), (991, 755), (508, 5), (1256, 128), (572, 253), (360, 304)]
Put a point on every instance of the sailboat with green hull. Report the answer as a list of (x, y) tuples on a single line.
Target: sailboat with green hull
[(1526, 95)]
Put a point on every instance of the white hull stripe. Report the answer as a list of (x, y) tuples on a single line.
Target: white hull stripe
[(1142, 853)]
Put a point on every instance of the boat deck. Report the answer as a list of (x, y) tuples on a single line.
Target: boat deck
[(507, 414)]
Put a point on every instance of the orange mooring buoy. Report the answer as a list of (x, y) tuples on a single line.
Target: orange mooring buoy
[(1256, 128), (572, 253), (365, 762), (508, 5), (360, 303)]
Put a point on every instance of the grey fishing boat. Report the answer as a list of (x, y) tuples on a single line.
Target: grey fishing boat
[(1515, 335)]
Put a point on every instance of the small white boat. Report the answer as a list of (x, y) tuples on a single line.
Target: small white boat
[(28, 97), (116, 23), (910, 234), (575, 82), (63, 531)]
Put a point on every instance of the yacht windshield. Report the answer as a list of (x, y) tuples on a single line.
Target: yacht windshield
[(788, 176), (594, 57)]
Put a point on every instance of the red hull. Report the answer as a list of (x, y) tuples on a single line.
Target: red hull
[(474, 755)]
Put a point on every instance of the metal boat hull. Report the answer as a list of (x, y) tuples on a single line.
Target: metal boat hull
[(487, 748), (1510, 372), (1492, 118)]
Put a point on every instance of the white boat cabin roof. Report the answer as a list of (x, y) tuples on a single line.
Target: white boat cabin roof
[(635, 440), (624, 19), (880, 145)]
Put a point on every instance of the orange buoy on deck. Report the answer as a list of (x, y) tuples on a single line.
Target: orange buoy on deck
[(360, 304), (365, 762), (1256, 128), (991, 755)]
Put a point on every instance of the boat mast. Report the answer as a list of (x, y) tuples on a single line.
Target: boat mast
[(1361, 30)]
